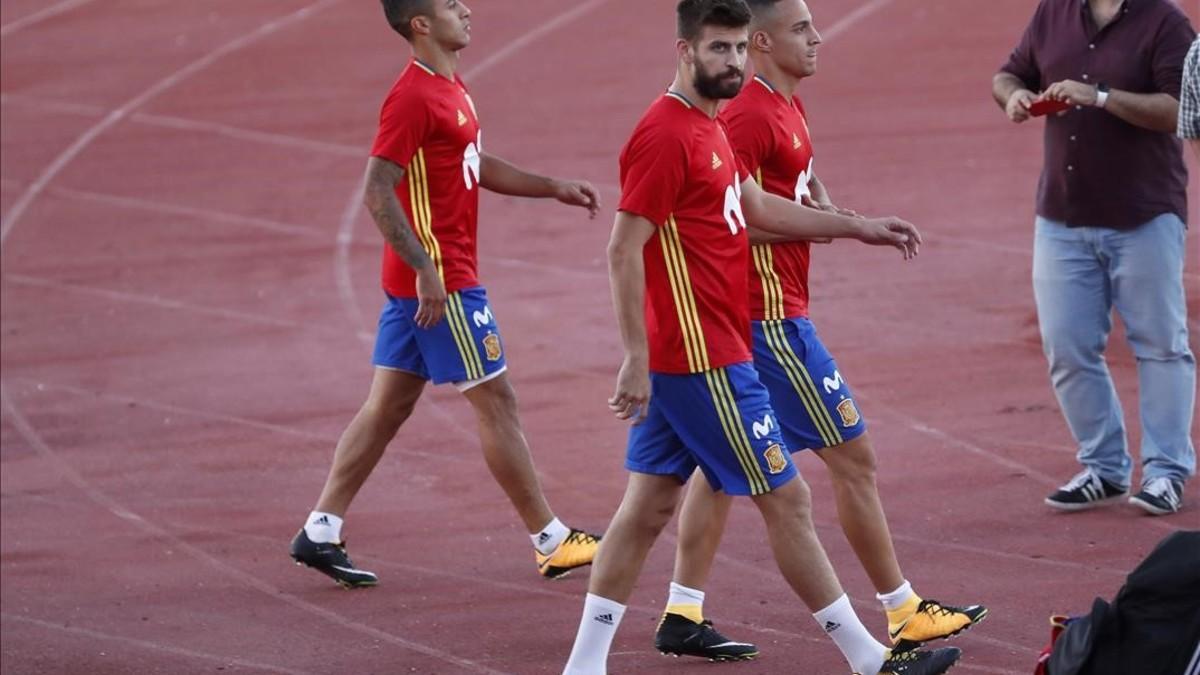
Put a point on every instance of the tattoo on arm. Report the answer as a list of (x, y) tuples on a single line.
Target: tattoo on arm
[(379, 196)]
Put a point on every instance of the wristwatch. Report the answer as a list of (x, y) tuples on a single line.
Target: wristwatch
[(1101, 94)]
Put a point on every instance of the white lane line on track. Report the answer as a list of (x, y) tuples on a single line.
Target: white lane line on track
[(183, 123), (26, 430), (187, 411), (40, 16), (154, 301), (845, 23), (111, 119), (189, 211), (150, 645)]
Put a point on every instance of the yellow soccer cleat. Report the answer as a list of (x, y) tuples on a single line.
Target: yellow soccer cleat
[(920, 621), (576, 550)]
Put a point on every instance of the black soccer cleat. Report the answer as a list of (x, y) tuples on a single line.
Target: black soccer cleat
[(330, 560), (920, 662), (680, 636)]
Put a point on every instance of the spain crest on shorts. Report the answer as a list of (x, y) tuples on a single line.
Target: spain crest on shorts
[(849, 413), (491, 347), (776, 460)]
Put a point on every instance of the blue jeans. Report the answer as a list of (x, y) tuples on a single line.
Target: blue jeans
[(1079, 275)]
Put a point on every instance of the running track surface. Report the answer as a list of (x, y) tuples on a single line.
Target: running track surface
[(189, 291)]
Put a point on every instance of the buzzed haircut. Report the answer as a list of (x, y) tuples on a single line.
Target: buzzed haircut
[(757, 6), (400, 14), (694, 15)]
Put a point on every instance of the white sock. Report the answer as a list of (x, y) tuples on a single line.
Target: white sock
[(862, 652), (323, 528), (896, 599), (682, 595), (550, 537), (601, 617)]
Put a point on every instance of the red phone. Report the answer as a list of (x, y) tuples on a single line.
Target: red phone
[(1047, 107)]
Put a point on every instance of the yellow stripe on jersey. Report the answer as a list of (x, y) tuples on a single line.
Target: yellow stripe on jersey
[(418, 190), (772, 284), (735, 431), (802, 382), (456, 317), (685, 300)]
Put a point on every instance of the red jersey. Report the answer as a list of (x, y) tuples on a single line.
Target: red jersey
[(770, 135), (679, 172), (428, 126)]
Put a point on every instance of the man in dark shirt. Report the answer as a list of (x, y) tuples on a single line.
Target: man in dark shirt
[(1110, 230)]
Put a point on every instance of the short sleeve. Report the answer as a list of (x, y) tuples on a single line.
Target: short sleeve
[(1170, 49), (653, 171), (1022, 62), (404, 123), (752, 142), (1189, 95)]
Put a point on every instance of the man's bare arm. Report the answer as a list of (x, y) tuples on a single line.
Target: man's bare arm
[(627, 275), (1156, 112), (502, 177), (779, 216), (1013, 97), (379, 196)]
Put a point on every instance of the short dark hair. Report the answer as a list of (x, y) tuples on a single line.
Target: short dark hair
[(694, 15), (400, 14)]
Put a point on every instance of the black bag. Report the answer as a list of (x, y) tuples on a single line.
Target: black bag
[(1151, 628)]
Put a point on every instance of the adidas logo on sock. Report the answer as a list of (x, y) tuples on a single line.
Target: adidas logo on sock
[(605, 619), (543, 537), (831, 626), (323, 520)]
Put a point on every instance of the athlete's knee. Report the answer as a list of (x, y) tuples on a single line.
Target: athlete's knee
[(852, 464), (494, 399), (793, 499)]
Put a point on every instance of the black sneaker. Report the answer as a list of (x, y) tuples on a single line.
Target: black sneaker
[(680, 636), (1085, 491), (919, 662), (331, 560), (1159, 496)]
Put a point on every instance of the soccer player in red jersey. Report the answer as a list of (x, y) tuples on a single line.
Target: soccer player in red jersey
[(422, 189), (679, 266), (767, 128)]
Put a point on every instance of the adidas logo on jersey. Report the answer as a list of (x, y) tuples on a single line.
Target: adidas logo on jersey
[(606, 619), (462, 119), (717, 163), (796, 144)]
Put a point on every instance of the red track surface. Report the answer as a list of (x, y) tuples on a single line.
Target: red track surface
[(187, 304)]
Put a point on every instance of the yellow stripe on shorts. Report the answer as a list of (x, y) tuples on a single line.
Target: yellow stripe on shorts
[(735, 432), (457, 318), (802, 383)]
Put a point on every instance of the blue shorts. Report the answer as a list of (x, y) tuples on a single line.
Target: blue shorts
[(814, 403), (720, 420), (464, 346)]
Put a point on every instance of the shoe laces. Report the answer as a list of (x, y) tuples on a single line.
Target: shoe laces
[(1160, 487), (935, 608), (1082, 478), (581, 537)]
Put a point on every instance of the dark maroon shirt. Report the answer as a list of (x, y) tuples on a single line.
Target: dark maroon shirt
[(1099, 170)]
